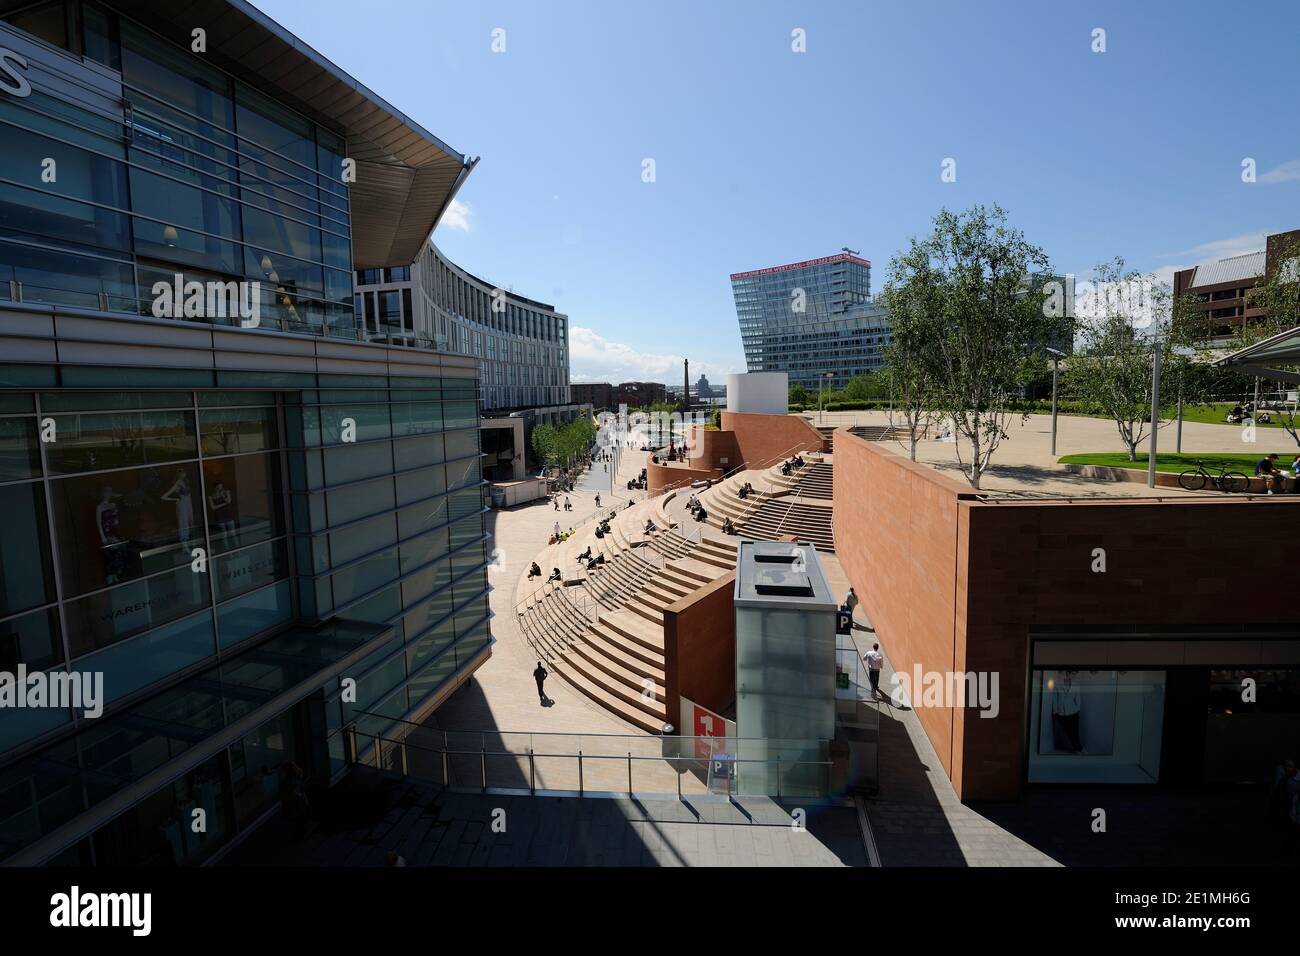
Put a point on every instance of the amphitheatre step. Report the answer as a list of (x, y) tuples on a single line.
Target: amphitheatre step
[(652, 614), (702, 570), (646, 697), (636, 628), (678, 579), (629, 647), (632, 714), (608, 658)]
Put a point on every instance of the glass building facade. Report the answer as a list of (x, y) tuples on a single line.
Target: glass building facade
[(811, 318), (260, 539), (521, 345), (191, 172)]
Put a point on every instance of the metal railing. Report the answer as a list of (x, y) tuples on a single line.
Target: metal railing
[(600, 764)]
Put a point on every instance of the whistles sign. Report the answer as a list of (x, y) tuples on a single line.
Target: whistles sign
[(13, 80)]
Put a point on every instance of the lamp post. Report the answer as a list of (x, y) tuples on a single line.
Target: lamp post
[(820, 406), (1155, 414), (1056, 362)]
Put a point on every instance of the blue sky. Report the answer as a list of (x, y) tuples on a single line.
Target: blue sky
[(765, 156)]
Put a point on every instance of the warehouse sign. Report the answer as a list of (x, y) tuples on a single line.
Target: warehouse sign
[(13, 80)]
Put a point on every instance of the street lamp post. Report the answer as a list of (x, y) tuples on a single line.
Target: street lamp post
[(1056, 362), (1155, 415)]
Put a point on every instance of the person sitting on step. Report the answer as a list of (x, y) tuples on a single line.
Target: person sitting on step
[(555, 576), (534, 571), (586, 555), (728, 527)]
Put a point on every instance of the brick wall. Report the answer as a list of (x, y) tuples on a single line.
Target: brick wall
[(700, 648), (956, 584), (765, 440), (896, 536), (708, 449), (659, 477)]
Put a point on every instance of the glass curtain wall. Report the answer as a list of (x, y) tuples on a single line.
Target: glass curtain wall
[(202, 176), (387, 499), (103, 524)]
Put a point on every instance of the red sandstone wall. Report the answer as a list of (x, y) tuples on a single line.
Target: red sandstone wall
[(953, 583), (1197, 562), (700, 648), (764, 440), (897, 536), (659, 477), (708, 448)]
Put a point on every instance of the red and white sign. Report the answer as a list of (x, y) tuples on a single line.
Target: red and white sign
[(705, 723)]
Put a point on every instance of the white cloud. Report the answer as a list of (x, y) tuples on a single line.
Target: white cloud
[(456, 216), (594, 358), (1286, 173)]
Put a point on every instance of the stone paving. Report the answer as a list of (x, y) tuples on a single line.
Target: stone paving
[(371, 815), (501, 696), (1024, 463)]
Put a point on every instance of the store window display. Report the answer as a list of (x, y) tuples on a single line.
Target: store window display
[(1096, 726)]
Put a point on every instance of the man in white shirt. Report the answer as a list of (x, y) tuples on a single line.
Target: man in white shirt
[(875, 661)]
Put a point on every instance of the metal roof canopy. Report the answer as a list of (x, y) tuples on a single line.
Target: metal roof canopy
[(1280, 349), (406, 176)]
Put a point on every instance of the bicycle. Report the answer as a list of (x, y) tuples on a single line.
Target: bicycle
[(1229, 482)]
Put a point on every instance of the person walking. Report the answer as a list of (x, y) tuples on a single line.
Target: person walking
[(556, 501), (875, 661), (597, 499), (539, 675), (557, 529)]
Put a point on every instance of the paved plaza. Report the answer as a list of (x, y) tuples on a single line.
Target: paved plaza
[(1024, 463)]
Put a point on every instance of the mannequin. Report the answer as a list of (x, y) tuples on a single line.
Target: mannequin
[(219, 506), (179, 492), (1066, 705), (107, 522)]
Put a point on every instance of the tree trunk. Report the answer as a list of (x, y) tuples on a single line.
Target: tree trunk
[(975, 470)]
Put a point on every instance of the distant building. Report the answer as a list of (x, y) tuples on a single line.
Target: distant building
[(1225, 285), (633, 394), (811, 318), (702, 387), (596, 394), (521, 345)]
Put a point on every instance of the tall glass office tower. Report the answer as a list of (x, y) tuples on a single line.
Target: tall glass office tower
[(233, 524), (811, 318)]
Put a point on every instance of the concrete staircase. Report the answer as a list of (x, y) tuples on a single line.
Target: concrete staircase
[(799, 504), (603, 632)]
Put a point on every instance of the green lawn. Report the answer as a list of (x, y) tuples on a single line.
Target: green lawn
[(1178, 463), (1214, 415)]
